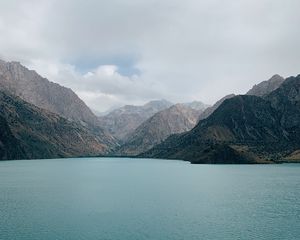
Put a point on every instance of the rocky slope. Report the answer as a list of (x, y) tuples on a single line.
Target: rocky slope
[(266, 87), (28, 132), (243, 129), (176, 119), (31, 87), (123, 121)]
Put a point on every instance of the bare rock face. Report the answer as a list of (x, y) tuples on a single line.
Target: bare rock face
[(29, 132), (123, 121), (266, 87), (31, 87), (176, 119)]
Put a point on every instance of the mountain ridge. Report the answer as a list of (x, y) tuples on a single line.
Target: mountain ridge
[(39, 91), (266, 87), (175, 119), (250, 128), (123, 121), (31, 87), (29, 132)]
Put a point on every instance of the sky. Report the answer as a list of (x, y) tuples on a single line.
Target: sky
[(120, 52)]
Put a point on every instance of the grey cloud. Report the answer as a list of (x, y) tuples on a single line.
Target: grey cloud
[(184, 50)]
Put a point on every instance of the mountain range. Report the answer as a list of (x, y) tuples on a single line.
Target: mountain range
[(243, 129), (42, 119), (19, 81), (179, 118), (175, 119), (121, 122)]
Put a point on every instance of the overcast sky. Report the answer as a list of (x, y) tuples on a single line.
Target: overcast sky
[(130, 51)]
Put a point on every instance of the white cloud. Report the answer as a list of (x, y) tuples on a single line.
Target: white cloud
[(183, 50), (101, 88)]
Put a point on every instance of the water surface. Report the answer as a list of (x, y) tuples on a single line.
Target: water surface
[(94, 198)]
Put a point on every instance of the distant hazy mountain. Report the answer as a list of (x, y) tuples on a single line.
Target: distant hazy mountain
[(29, 132), (176, 119), (266, 87), (243, 129), (208, 111), (123, 121), (197, 105), (98, 113), (33, 88)]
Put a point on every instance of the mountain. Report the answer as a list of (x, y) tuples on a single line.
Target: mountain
[(176, 119), (29, 132), (31, 87), (123, 121), (260, 89), (209, 110), (243, 129), (286, 100), (197, 105), (266, 87)]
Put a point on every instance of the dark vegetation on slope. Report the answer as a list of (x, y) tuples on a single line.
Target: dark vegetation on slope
[(249, 128)]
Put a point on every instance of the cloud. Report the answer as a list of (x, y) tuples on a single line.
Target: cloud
[(103, 87), (130, 51)]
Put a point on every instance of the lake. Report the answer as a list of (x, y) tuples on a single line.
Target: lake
[(115, 198)]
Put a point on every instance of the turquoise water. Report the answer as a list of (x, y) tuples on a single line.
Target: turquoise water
[(147, 199)]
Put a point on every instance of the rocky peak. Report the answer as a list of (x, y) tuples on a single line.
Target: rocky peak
[(266, 87)]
